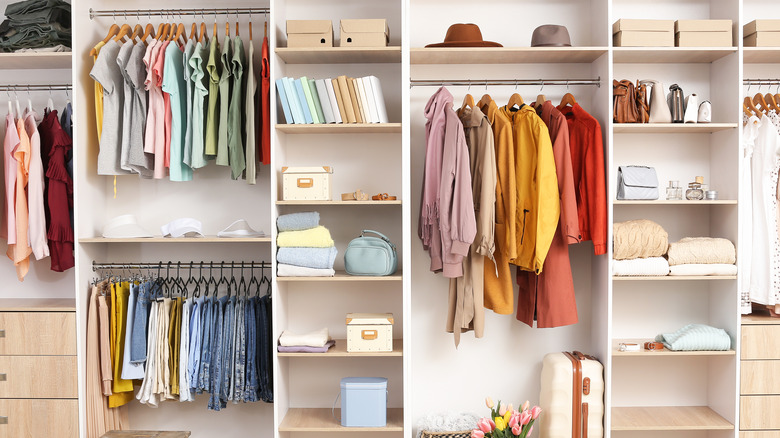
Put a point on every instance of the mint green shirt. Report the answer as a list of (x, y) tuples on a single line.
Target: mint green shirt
[(224, 103), (199, 94), (214, 68), (173, 84)]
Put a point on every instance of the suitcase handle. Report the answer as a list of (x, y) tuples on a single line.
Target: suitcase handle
[(584, 420)]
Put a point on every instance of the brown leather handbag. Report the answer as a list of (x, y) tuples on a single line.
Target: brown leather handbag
[(624, 102), (642, 107)]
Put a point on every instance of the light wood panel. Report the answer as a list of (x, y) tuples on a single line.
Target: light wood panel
[(760, 342), (321, 420), (37, 305), (340, 350), (759, 434), (363, 203), (761, 55), (147, 434), (663, 55), (667, 353), (343, 276), (667, 418), (38, 377), (759, 319), (339, 55), (505, 55), (30, 61), (160, 239), (674, 277), (684, 202), (39, 418), (30, 334), (759, 412), (340, 128), (760, 377), (671, 128)]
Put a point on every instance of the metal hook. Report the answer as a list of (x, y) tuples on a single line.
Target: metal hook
[(749, 84), (469, 89), (515, 84), (542, 87), (567, 86), (113, 15), (486, 85)]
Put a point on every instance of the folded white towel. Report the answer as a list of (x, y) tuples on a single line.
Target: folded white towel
[(316, 338), (640, 267), (284, 270), (703, 269)]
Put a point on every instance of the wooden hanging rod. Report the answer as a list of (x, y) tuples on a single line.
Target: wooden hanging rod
[(174, 12), (179, 265), (36, 87), (502, 82)]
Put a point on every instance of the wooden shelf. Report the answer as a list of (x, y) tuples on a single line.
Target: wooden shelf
[(685, 202), (321, 420), (671, 128), (762, 318), (24, 61), (667, 418), (663, 55), (667, 353), (339, 55), (761, 55), (340, 350), (674, 277), (396, 202), (340, 128), (160, 239), (37, 305), (505, 55), (343, 276)]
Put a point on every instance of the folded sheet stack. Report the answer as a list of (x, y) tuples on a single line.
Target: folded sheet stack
[(36, 24), (305, 248), (314, 342), (702, 256), (639, 247)]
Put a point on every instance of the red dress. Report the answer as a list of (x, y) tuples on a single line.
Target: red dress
[(264, 140)]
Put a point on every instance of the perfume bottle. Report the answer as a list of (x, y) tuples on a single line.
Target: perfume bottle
[(674, 191), (695, 192)]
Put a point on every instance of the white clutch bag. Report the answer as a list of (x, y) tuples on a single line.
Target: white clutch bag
[(637, 183)]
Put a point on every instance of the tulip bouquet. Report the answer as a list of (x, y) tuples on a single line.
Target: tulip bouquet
[(506, 421)]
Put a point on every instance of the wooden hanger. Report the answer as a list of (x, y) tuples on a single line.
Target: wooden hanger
[(540, 100), (760, 103), (468, 100), (193, 32), (148, 32), (484, 101), (172, 27), (515, 99), (180, 32), (250, 28), (214, 31), (123, 32), (202, 32), (265, 29), (236, 23), (112, 31), (769, 98), (137, 31), (750, 108), (227, 29), (161, 31), (568, 99)]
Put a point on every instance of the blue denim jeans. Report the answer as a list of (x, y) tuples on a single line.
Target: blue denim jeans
[(195, 339), (250, 382), (228, 339), (207, 323), (215, 401), (239, 353), (138, 333)]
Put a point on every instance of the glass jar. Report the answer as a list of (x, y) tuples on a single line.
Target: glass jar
[(694, 192), (674, 191)]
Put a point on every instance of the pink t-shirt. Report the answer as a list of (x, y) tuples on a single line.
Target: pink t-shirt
[(149, 86), (20, 251), (37, 215), (9, 144), (159, 71)]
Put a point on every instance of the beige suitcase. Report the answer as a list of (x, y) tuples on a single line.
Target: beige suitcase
[(572, 396)]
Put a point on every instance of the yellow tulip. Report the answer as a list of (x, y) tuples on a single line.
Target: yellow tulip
[(507, 416), (500, 423)]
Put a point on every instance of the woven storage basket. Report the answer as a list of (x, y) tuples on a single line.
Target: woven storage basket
[(458, 434)]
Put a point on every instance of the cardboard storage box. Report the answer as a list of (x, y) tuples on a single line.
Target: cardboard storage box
[(309, 33), (364, 33), (364, 401), (762, 33), (643, 33), (703, 33), (369, 332), (306, 183)]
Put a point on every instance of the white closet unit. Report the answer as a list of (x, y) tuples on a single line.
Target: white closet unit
[(211, 197)]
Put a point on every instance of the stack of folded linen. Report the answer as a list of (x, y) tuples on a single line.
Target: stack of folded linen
[(36, 25), (305, 247), (314, 342), (639, 247), (702, 256)]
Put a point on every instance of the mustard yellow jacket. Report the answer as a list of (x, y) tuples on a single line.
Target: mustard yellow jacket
[(538, 203)]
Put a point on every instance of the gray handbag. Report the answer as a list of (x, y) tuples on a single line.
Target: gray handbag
[(637, 183)]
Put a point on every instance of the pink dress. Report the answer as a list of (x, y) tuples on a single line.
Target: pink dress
[(9, 144), (165, 115), (20, 251), (154, 134), (37, 214)]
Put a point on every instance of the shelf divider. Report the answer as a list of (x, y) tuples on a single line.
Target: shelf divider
[(340, 128), (321, 420), (662, 353), (671, 128), (340, 350), (668, 418), (663, 55), (343, 276), (340, 55), (505, 55)]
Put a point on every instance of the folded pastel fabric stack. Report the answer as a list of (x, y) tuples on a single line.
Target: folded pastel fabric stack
[(702, 256), (317, 341), (305, 248), (638, 249)]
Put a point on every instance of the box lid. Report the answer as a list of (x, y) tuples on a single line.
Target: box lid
[(369, 318), (702, 26), (309, 26), (761, 26), (373, 25), (643, 25), (364, 383), (316, 169)]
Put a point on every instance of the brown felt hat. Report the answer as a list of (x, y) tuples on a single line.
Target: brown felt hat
[(551, 35), (464, 35)]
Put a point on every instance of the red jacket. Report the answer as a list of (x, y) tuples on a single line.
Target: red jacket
[(587, 160)]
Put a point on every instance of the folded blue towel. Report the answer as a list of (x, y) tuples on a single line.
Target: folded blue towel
[(319, 258), (298, 221)]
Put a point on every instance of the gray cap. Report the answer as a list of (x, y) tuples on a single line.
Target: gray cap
[(551, 35)]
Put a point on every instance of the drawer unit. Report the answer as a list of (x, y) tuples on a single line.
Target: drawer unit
[(759, 412), (38, 333), (39, 418), (38, 377), (760, 342), (759, 434), (760, 377)]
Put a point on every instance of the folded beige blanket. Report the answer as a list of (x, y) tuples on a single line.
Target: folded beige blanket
[(702, 250), (640, 238)]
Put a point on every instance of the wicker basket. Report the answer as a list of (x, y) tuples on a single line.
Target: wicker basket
[(449, 434)]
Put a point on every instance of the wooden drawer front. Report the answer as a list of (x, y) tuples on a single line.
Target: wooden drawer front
[(39, 418), (760, 377), (38, 377), (38, 333), (761, 342), (760, 434), (759, 412)]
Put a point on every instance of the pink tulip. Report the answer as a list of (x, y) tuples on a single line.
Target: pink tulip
[(510, 408), (485, 425), (535, 412), (516, 429), (529, 431), (476, 433), (513, 421), (526, 405), (489, 402), (502, 411), (525, 417), (492, 424)]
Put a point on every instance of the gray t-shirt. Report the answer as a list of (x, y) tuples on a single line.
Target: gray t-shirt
[(108, 74), (135, 71), (189, 48), (225, 81)]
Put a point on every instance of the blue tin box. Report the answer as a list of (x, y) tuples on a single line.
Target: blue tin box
[(364, 402)]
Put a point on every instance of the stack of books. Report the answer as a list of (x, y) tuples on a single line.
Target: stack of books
[(339, 100)]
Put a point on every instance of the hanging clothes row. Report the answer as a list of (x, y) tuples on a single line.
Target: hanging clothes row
[(167, 103), (759, 191), (167, 335), (37, 154), (515, 184)]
